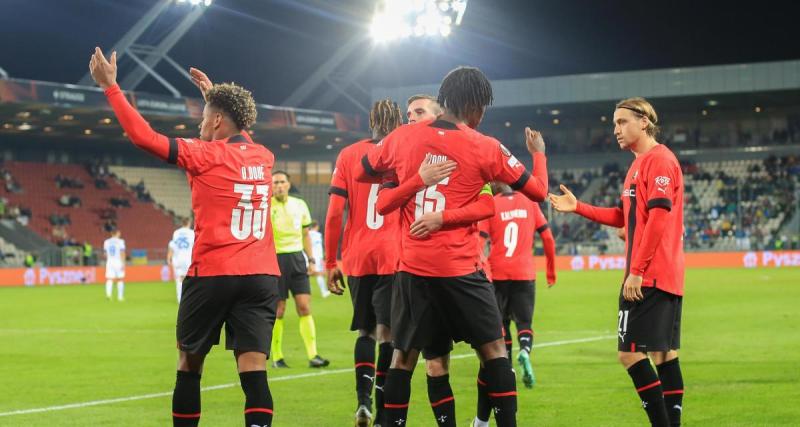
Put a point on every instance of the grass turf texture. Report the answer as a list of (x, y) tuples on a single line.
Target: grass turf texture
[(65, 345)]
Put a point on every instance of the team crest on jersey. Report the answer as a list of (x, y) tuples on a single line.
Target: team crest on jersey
[(505, 151), (662, 181)]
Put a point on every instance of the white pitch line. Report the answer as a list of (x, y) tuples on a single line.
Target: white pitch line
[(271, 380)]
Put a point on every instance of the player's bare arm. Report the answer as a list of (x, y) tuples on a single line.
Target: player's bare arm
[(309, 252)]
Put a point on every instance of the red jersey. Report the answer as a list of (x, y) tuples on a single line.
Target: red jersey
[(655, 180), (511, 232), (231, 184), (369, 245), (451, 251)]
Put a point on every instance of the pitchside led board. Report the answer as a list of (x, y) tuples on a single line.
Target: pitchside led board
[(50, 276)]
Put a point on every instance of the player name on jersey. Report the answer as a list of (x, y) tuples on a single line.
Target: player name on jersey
[(515, 213), (254, 173)]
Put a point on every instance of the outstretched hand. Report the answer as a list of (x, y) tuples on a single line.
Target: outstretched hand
[(567, 202), (201, 80), (103, 71)]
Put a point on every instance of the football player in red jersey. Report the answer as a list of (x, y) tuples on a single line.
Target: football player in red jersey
[(441, 294), (511, 233), (650, 301), (369, 259), (424, 107), (234, 272)]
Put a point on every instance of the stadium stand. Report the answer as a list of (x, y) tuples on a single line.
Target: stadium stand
[(77, 212), (730, 205), (167, 186)]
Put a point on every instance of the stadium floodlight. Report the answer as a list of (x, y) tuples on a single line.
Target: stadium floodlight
[(396, 19), (205, 3)]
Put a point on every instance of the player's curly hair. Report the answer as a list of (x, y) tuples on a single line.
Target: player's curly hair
[(385, 116), (465, 90), (235, 101), (643, 109)]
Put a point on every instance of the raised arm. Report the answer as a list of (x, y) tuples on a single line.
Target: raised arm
[(509, 170), (104, 73)]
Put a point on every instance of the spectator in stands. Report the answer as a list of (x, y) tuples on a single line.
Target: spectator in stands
[(30, 260), (24, 216), (13, 212), (108, 214), (59, 235), (100, 184), (120, 202), (68, 200)]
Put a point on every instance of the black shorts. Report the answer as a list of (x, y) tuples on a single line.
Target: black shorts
[(652, 324), (429, 313), (294, 275), (516, 299), (245, 304), (372, 301)]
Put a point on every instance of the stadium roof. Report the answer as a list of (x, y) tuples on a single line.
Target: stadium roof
[(272, 46), (662, 83)]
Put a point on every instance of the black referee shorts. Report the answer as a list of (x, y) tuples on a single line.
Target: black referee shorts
[(516, 300), (245, 304), (429, 313), (294, 275), (652, 324), (372, 301)]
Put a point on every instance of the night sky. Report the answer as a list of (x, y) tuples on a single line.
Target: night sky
[(272, 46)]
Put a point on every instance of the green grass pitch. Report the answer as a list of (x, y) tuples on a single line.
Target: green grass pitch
[(68, 345)]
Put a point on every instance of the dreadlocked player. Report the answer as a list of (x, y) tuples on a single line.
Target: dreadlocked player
[(369, 258), (441, 294)]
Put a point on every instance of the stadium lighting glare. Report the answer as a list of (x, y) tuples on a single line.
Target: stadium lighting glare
[(205, 3), (397, 19)]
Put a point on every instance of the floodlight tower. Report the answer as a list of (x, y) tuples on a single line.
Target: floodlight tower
[(393, 20), (146, 57)]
